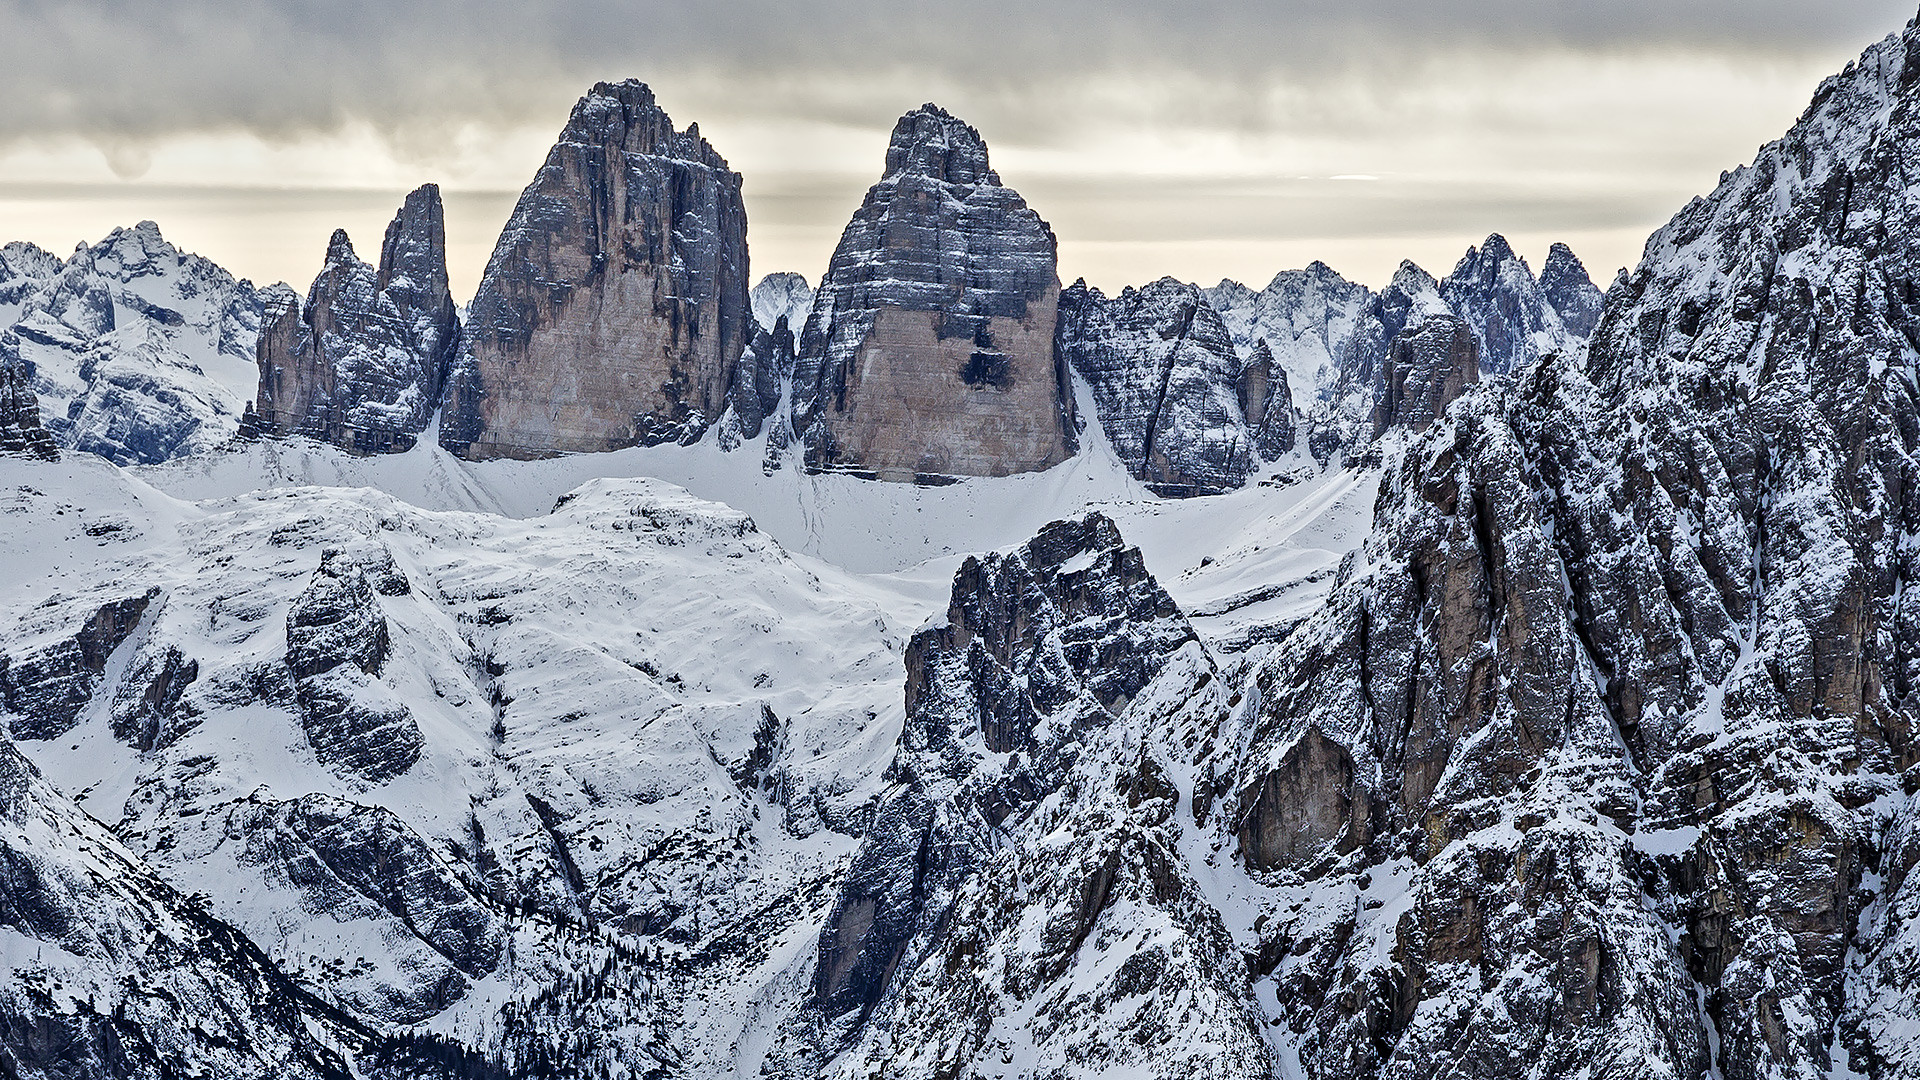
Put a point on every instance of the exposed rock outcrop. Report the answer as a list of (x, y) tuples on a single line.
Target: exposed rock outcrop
[(44, 689), (759, 384), (1166, 384), (359, 861), (362, 364), (929, 350), (1266, 401), (112, 973), (1572, 295), (1426, 367), (1626, 671), (614, 309), (1030, 821), (336, 645), (20, 429)]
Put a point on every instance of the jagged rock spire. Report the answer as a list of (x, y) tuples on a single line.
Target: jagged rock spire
[(362, 363)]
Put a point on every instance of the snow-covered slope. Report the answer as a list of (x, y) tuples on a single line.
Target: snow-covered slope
[(1567, 734)]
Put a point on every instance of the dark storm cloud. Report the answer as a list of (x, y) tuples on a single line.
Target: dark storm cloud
[(124, 73)]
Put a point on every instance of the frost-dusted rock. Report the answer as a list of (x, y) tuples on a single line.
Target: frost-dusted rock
[(1166, 384), (24, 269), (361, 365), (139, 352), (363, 862), (1028, 825), (1266, 401), (929, 349), (1749, 396), (1425, 368), (1432, 734), (1572, 295), (615, 305), (44, 689), (112, 972), (1626, 670), (148, 709), (758, 385), (337, 641), (1410, 299), (1494, 291), (785, 295), (1306, 317), (20, 429)]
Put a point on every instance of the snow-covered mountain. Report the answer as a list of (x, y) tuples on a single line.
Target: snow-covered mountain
[(138, 351), (1556, 721), (1323, 328)]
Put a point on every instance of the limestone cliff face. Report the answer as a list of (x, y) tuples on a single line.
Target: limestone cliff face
[(1166, 383), (1426, 367), (1626, 674), (929, 350), (20, 429), (614, 308), (362, 364), (1266, 400)]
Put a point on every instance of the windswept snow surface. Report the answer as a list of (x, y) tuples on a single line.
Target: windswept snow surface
[(1264, 555)]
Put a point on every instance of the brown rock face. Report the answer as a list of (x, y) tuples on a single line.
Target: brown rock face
[(1302, 806), (929, 351), (615, 306), (1426, 367)]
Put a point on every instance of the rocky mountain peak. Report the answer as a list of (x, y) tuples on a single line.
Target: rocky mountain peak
[(933, 142), (614, 309), (340, 250), (929, 349), (1412, 279), (1494, 290), (1567, 289), (361, 365), (784, 295)]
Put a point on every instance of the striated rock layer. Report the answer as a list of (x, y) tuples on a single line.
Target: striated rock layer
[(929, 349), (614, 308), (362, 364), (20, 429), (1167, 385)]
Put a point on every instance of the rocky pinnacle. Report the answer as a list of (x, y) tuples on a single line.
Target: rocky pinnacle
[(362, 363), (929, 350), (614, 308)]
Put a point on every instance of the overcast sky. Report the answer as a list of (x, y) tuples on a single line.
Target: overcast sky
[(1203, 139)]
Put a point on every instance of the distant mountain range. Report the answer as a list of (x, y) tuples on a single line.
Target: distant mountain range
[(944, 672)]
